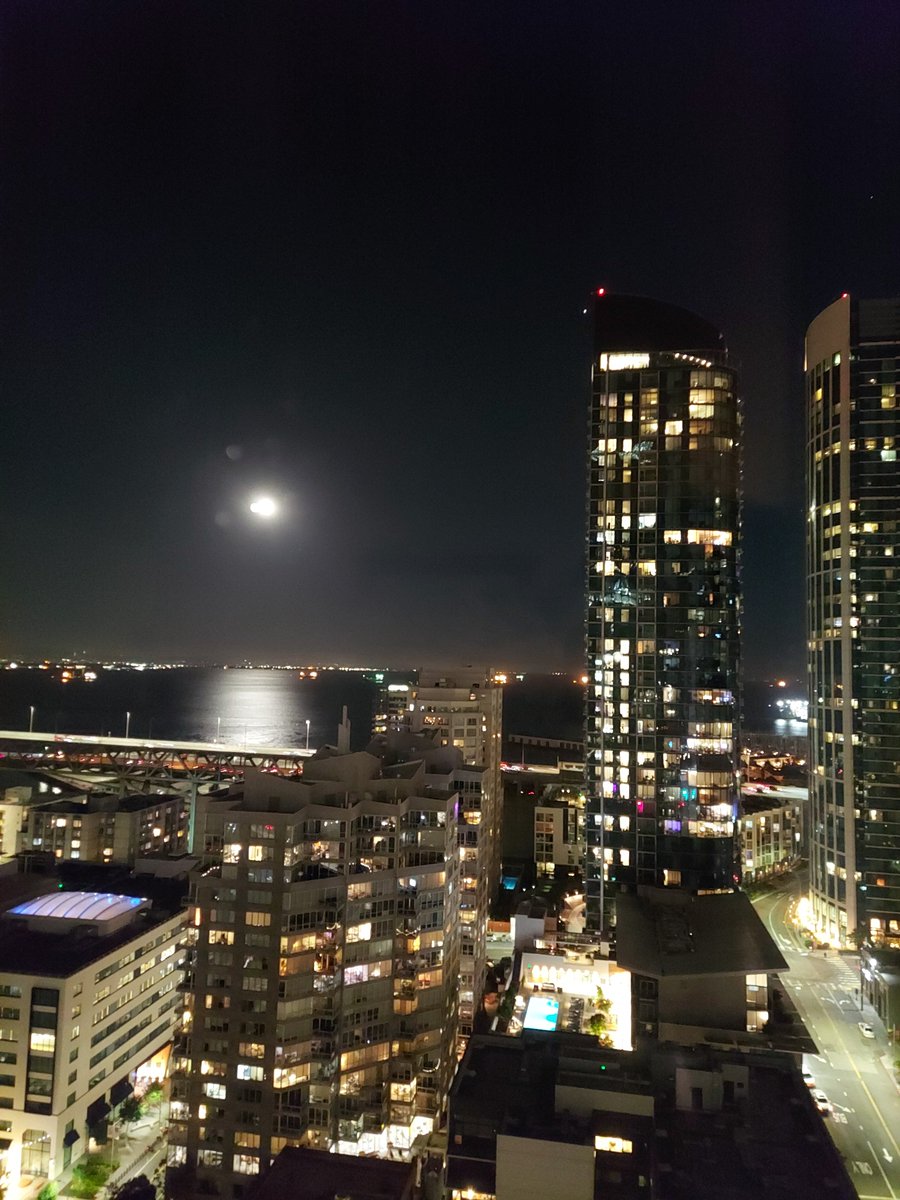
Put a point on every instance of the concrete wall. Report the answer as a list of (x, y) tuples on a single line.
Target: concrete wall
[(719, 1002), (581, 1101), (531, 1169), (712, 1085)]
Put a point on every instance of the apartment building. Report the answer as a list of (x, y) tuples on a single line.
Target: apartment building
[(559, 830), (852, 359), (106, 829), (662, 604), (771, 836), (325, 974), (464, 712)]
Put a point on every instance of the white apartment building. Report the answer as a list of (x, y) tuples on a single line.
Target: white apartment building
[(559, 831), (771, 836), (106, 829), (464, 712), (87, 994), (325, 967)]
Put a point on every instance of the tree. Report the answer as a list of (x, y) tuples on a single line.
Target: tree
[(49, 1191), (507, 1005), (602, 1003), (598, 1022), (132, 1110), (138, 1188)]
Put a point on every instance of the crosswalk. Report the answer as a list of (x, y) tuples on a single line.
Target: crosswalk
[(845, 976)]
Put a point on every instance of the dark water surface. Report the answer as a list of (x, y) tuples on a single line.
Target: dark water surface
[(263, 707), (258, 706)]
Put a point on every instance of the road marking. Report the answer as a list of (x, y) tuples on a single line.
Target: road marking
[(887, 1157), (864, 1086), (856, 1072), (862, 1167), (881, 1169)]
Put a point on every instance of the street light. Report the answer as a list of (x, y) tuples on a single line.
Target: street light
[(307, 733), (127, 724), (218, 727), (31, 718)]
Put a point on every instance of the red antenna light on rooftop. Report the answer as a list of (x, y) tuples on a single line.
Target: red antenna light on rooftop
[(600, 292), (845, 295)]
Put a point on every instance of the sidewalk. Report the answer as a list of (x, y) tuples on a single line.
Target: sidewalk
[(137, 1149)]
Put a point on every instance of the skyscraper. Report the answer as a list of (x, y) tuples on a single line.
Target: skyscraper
[(464, 711), (663, 608), (326, 986), (853, 618)]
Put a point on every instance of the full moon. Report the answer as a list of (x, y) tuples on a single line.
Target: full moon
[(264, 506)]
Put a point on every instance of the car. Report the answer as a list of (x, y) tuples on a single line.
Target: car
[(821, 1101), (866, 1030), (808, 1079)]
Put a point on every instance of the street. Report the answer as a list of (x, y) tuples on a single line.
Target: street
[(865, 1123)]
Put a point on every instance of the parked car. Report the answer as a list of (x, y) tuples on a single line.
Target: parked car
[(866, 1030), (808, 1079), (821, 1101)]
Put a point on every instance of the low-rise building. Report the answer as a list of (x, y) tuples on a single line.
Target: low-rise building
[(700, 964), (880, 974), (88, 992), (298, 1174), (771, 834), (557, 1115), (106, 829)]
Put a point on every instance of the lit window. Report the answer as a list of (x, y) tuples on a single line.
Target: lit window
[(613, 1145)]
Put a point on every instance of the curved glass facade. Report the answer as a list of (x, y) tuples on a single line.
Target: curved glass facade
[(663, 609)]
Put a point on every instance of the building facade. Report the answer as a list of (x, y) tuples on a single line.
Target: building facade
[(662, 605), (88, 992), (465, 713), (325, 975), (559, 830), (853, 618), (771, 836), (106, 829)]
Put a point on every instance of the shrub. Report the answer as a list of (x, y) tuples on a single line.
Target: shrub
[(90, 1175), (49, 1191)]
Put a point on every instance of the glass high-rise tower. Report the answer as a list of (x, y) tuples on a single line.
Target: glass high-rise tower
[(663, 607), (853, 618)]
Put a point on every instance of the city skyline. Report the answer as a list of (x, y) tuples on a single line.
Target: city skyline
[(234, 272)]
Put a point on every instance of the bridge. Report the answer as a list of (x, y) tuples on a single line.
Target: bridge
[(139, 764)]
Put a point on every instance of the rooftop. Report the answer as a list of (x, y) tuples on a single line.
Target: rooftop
[(667, 932), (641, 323), (78, 906), (757, 1133), (96, 802), (301, 1174), (61, 932)]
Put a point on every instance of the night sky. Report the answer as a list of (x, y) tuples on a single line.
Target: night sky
[(339, 252)]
